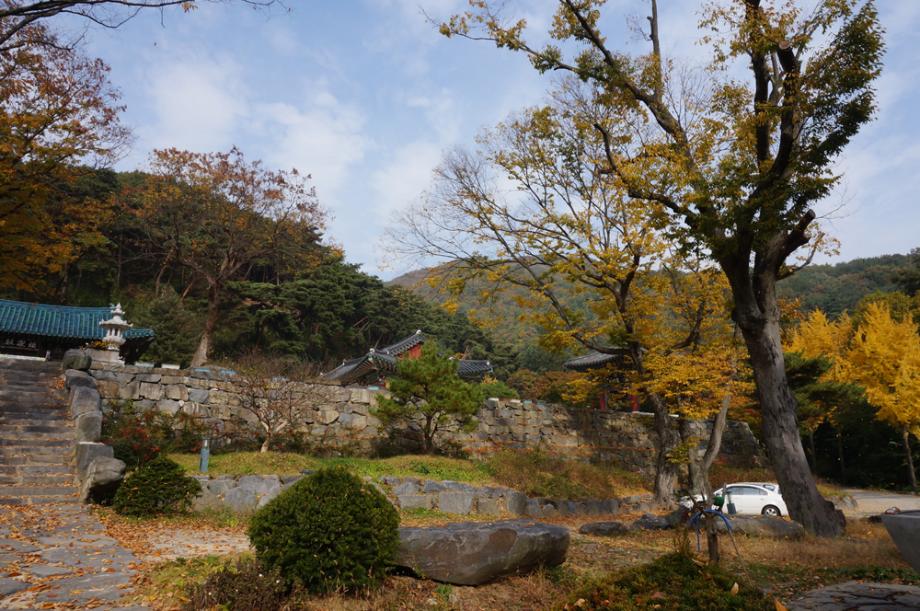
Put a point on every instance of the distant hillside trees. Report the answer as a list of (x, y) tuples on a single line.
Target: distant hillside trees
[(337, 312), (58, 110), (909, 279), (221, 216)]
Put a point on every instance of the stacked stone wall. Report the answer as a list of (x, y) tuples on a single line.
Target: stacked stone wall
[(247, 493), (332, 416)]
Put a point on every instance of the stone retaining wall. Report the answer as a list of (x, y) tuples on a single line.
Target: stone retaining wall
[(98, 472), (246, 493), (338, 418)]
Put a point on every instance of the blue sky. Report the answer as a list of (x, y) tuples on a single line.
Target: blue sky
[(366, 96)]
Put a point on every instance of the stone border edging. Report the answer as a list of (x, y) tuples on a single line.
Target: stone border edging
[(247, 493), (98, 472)]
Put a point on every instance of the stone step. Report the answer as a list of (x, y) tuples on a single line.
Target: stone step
[(17, 444), (34, 459), (31, 386), (29, 364), (41, 402), (36, 480), (58, 427), (33, 418), (30, 378), (61, 430), (44, 405), (35, 469), (31, 491), (70, 501), (36, 416)]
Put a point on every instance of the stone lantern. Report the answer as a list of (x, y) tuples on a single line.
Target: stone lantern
[(114, 329)]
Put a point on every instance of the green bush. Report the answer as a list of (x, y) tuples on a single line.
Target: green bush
[(157, 487), (674, 581), (328, 532), (248, 586), (138, 437)]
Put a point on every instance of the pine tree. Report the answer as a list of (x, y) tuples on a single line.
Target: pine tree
[(428, 391)]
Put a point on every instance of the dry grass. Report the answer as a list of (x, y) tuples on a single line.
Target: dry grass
[(785, 568), (864, 544), (538, 473)]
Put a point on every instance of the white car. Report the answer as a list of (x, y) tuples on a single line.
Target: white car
[(754, 498), (748, 498)]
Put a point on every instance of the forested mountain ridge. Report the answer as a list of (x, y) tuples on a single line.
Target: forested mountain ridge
[(156, 244), (833, 288), (838, 287)]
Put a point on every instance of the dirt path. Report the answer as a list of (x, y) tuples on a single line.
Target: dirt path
[(873, 502)]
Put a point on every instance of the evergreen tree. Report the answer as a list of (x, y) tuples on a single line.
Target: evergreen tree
[(427, 390)]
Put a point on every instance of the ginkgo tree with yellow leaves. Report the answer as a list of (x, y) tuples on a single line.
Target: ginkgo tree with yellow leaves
[(733, 165), (880, 352), (535, 208), (884, 358)]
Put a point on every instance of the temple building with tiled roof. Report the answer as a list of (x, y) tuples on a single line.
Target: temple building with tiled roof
[(39, 329), (379, 363), (596, 360)]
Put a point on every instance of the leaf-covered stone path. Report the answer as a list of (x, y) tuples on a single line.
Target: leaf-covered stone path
[(59, 556)]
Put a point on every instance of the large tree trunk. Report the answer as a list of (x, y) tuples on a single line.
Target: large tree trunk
[(694, 460), (910, 461), (204, 344), (780, 429), (666, 470), (698, 466)]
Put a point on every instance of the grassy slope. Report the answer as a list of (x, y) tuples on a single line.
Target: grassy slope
[(535, 473)]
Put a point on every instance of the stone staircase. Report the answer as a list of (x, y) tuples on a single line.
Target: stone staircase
[(36, 435)]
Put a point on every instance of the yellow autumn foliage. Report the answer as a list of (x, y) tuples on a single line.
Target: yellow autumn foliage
[(884, 357)]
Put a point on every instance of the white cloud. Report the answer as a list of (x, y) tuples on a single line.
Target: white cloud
[(405, 177), (322, 137), (196, 103)]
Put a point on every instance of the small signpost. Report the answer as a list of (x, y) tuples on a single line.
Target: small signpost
[(204, 456)]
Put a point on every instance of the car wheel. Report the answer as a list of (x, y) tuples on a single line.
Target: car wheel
[(771, 510)]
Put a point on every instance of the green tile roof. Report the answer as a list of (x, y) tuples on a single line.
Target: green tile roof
[(21, 318)]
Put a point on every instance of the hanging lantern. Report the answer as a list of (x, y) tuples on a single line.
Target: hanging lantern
[(114, 329)]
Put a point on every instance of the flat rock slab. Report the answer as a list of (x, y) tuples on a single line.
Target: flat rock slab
[(473, 553), (858, 596), (11, 586)]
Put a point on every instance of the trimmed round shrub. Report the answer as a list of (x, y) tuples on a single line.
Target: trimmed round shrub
[(155, 488), (330, 531)]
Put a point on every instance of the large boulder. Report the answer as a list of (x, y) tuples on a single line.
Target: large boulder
[(470, 554), (102, 479), (904, 529), (86, 452), (77, 359), (650, 521), (75, 377), (764, 526), (604, 529), (84, 401), (89, 426)]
